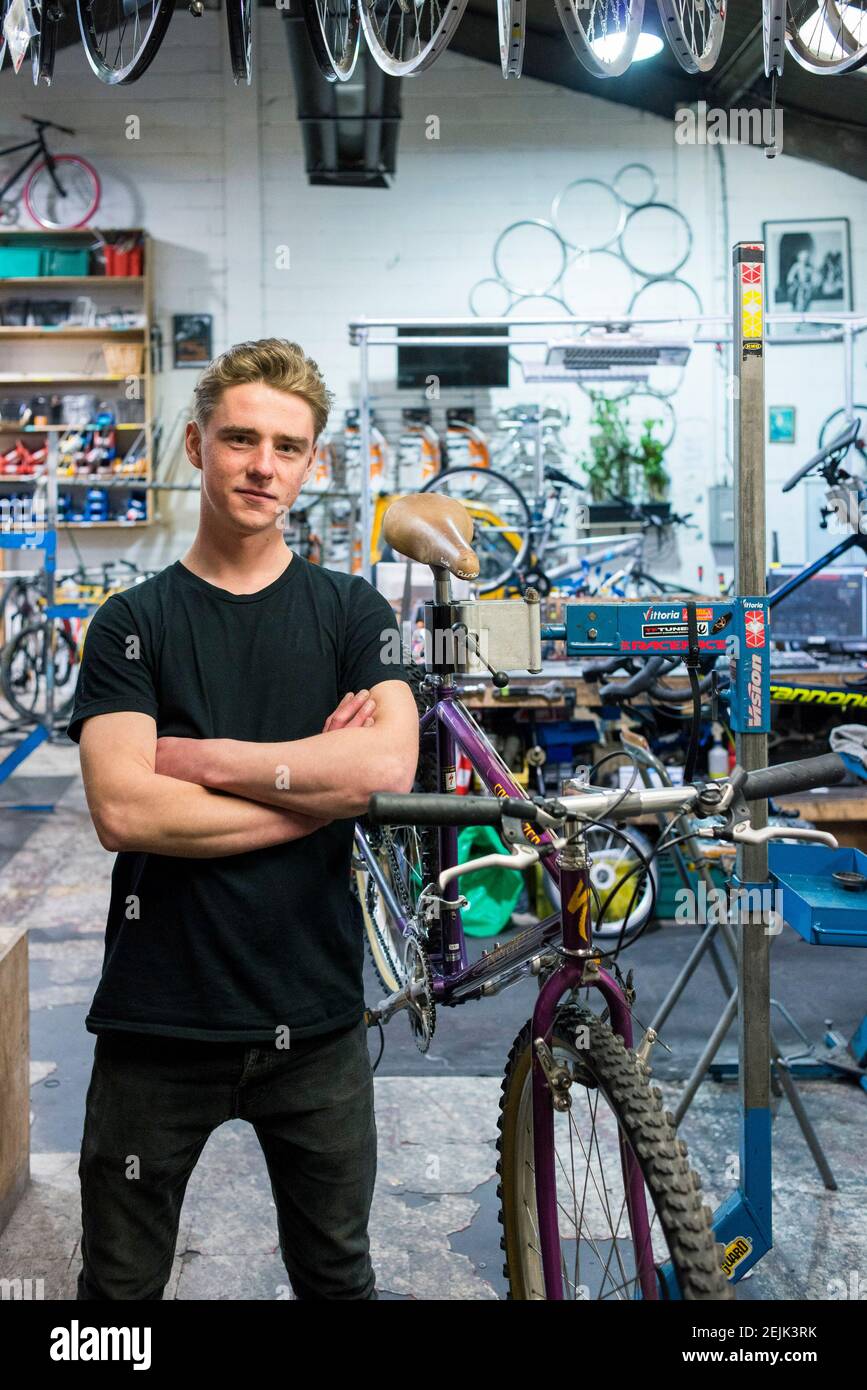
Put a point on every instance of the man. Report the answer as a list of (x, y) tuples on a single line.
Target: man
[(234, 715)]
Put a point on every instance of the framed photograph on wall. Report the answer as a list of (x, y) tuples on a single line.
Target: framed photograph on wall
[(781, 424), (809, 271), (191, 339)]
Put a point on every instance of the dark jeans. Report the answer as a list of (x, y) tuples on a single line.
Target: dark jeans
[(156, 1100)]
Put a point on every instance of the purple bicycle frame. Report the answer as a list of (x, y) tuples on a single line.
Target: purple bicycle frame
[(454, 979)]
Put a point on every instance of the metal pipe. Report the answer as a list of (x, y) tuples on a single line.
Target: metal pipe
[(364, 445)]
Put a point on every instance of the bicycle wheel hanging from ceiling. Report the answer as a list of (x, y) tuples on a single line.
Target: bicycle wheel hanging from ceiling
[(43, 44), (120, 44), (695, 31), (239, 18), (334, 30), (586, 218), (512, 29), (827, 38), (406, 38), (603, 33), (530, 242), (774, 35)]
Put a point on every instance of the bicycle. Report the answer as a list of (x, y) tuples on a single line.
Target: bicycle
[(519, 544), (564, 1235), (42, 638), (121, 39), (61, 191)]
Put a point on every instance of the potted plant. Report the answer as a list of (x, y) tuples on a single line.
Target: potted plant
[(624, 476)]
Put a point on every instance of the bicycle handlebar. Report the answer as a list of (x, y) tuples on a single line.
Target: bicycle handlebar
[(444, 808), (433, 808), (800, 776), (49, 125)]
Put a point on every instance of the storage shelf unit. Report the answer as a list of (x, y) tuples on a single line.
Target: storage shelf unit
[(68, 358)]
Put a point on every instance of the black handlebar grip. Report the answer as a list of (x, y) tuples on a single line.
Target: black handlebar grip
[(435, 808), (800, 776)]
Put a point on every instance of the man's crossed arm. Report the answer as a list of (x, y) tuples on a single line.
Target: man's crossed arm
[(205, 798), (369, 744)]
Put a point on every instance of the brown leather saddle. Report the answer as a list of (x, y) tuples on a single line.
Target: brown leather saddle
[(433, 529)]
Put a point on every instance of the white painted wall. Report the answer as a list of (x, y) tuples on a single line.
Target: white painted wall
[(217, 178)]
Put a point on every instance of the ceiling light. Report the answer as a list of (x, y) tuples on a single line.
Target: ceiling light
[(608, 47)]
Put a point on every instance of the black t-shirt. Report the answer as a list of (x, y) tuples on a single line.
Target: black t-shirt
[(237, 947)]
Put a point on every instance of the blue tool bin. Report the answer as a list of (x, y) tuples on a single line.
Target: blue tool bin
[(816, 907)]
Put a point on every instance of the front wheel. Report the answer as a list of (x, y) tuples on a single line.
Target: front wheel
[(628, 1203), (24, 668), (63, 195)]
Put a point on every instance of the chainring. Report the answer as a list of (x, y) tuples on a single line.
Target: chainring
[(422, 1009)]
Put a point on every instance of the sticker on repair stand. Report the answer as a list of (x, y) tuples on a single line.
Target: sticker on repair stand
[(671, 629), (735, 1253), (450, 778)]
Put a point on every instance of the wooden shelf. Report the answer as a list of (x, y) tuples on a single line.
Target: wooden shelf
[(46, 379), (60, 429), (94, 480), (32, 281), (25, 346), (99, 233), (77, 525), (73, 331)]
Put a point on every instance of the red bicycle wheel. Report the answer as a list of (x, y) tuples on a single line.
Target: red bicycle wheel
[(70, 209)]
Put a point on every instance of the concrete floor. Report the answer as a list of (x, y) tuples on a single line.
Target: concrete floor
[(434, 1225)]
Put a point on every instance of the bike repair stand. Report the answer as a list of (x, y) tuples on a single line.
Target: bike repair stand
[(743, 1223), (40, 533)]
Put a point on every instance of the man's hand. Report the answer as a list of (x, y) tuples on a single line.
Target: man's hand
[(353, 712)]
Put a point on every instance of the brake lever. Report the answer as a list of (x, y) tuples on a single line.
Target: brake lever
[(744, 834)]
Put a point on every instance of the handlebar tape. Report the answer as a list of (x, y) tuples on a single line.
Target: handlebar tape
[(436, 808), (800, 776)]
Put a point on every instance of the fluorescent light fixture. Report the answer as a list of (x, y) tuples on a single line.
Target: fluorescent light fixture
[(549, 372), (608, 46), (616, 350)]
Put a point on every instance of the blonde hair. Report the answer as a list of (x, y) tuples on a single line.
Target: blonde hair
[(275, 362)]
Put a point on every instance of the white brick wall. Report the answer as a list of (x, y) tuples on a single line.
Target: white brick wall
[(218, 180)]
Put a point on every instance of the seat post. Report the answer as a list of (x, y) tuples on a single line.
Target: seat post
[(442, 584)]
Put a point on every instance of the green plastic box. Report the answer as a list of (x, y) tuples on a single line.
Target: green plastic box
[(21, 262), (66, 260)]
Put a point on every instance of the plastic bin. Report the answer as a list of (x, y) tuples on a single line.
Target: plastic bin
[(21, 261), (66, 260)]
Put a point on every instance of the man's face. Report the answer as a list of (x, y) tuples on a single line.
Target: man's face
[(254, 453)]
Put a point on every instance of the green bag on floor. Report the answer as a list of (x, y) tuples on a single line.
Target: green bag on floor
[(492, 892)]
